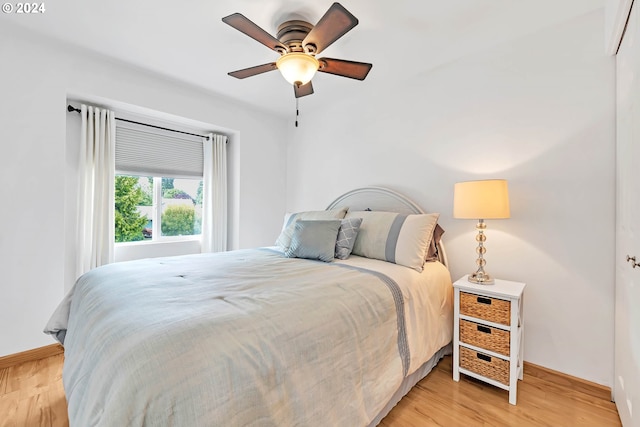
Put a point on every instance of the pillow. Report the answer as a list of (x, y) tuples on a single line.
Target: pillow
[(347, 237), (284, 240), (398, 238), (314, 239), (432, 252)]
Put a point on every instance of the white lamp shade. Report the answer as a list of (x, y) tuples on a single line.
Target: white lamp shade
[(486, 199), (297, 68)]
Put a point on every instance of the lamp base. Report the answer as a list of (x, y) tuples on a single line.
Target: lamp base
[(481, 278)]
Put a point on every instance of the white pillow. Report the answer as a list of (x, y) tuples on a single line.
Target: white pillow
[(393, 237), (284, 240)]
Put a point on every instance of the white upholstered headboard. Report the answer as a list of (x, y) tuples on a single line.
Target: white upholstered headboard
[(382, 199)]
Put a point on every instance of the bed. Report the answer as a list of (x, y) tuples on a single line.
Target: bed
[(258, 337)]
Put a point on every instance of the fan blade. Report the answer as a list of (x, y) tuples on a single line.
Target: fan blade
[(303, 90), (252, 71), (248, 27), (335, 23), (341, 67)]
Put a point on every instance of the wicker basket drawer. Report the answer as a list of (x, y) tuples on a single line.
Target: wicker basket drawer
[(494, 339), (486, 308), (490, 367)]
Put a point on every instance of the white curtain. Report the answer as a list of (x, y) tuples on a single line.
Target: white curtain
[(96, 189), (214, 194)]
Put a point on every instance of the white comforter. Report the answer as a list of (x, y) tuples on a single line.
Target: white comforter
[(246, 338)]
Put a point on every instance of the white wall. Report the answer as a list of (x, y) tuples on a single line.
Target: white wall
[(37, 76), (538, 111)]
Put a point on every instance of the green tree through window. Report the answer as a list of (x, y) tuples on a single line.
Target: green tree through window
[(180, 220), (128, 221), (147, 196), (167, 184)]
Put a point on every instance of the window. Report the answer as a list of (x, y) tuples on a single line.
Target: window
[(158, 185), (151, 208)]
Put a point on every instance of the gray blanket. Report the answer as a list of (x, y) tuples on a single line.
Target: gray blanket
[(243, 338)]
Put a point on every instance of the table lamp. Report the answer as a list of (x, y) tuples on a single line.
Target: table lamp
[(485, 199)]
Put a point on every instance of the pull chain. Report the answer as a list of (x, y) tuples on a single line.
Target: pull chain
[(297, 112)]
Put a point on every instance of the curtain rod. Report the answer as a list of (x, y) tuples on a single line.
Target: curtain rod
[(71, 108)]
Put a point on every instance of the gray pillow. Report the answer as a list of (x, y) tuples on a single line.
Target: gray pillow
[(347, 237), (314, 239), (284, 239)]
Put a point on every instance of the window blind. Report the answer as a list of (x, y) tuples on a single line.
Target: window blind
[(154, 152)]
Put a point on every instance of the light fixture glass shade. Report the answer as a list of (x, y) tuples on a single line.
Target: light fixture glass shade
[(297, 68), (486, 199)]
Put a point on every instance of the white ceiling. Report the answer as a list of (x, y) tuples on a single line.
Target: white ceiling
[(186, 40)]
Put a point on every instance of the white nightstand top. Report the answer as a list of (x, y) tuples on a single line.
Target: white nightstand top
[(500, 289)]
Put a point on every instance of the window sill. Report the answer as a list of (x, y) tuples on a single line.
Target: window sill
[(161, 241), (160, 248)]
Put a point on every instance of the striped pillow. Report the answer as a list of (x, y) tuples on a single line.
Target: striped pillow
[(398, 238)]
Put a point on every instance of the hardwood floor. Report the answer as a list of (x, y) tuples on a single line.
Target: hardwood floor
[(31, 395), (544, 399)]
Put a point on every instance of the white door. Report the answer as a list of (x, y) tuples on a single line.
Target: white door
[(627, 321)]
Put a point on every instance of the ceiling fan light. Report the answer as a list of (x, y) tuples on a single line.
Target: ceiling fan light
[(297, 68)]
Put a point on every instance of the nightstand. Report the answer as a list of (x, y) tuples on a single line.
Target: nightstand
[(488, 333)]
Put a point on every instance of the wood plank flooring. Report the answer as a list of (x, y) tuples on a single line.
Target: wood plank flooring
[(544, 399), (31, 395)]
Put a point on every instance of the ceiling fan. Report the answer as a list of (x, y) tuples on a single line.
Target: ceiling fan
[(298, 43)]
